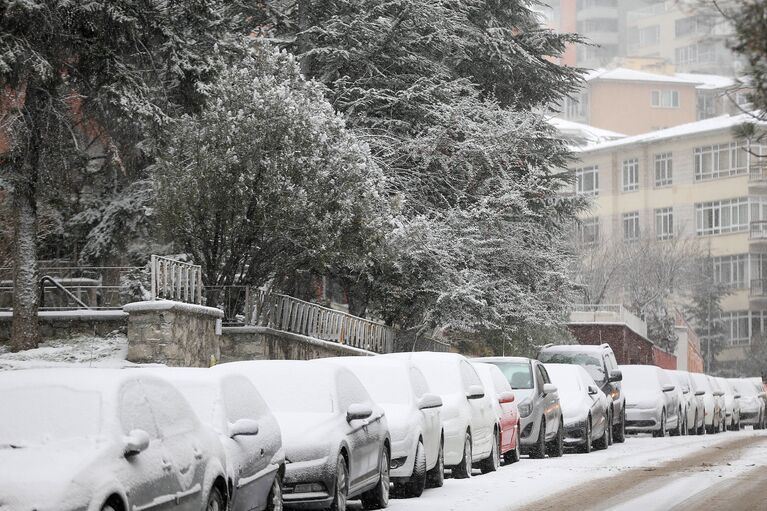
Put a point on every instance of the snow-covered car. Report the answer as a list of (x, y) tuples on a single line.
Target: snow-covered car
[(468, 419), (712, 406), (651, 403), (336, 439), (101, 439), (505, 408), (585, 408), (413, 414), (731, 404), (540, 415), (692, 399), (233, 408), (752, 407)]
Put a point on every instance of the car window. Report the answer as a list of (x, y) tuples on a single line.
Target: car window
[(499, 382), (613, 362), (594, 364), (170, 409), (664, 378), (469, 375), (544, 374), (518, 374), (417, 380), (242, 400), (350, 390), (538, 377), (134, 410)]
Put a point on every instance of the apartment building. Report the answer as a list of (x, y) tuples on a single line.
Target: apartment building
[(696, 180)]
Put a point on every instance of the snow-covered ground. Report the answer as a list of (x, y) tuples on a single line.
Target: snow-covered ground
[(534, 484), (109, 351)]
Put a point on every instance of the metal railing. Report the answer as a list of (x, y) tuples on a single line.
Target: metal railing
[(175, 280), (282, 312), (758, 230), (758, 288)]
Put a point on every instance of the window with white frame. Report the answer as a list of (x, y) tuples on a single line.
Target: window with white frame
[(665, 99), (664, 223), (757, 266), (630, 175), (717, 217), (631, 226), (664, 171), (720, 160), (736, 327), (587, 180), (731, 270), (588, 231)]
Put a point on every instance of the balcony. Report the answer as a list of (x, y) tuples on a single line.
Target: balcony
[(758, 289), (607, 314), (758, 231)]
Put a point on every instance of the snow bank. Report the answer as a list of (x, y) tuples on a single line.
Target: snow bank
[(108, 352)]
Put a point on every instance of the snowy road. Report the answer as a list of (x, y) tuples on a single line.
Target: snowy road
[(643, 474)]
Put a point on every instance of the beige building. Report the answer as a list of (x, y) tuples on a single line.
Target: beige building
[(695, 180)]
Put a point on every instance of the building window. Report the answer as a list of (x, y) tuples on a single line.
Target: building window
[(597, 25), (719, 217), (731, 270), (587, 180), (664, 172), (631, 226), (720, 160), (700, 53), (665, 99), (736, 327), (645, 36), (664, 223), (692, 25), (588, 231), (630, 175)]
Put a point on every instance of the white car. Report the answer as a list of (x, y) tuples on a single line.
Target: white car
[(712, 407), (752, 408), (412, 411), (96, 439), (585, 408), (336, 439), (731, 404), (468, 418), (694, 413), (233, 408), (651, 403)]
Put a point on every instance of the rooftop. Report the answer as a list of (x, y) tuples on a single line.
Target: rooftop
[(583, 135), (631, 75)]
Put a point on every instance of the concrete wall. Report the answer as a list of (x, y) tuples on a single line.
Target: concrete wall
[(65, 324)]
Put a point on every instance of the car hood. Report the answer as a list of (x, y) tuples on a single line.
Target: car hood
[(307, 436), (644, 398), (400, 418), (574, 406)]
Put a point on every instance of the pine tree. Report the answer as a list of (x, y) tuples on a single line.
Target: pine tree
[(705, 312)]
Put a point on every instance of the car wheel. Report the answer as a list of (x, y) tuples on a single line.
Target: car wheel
[(435, 478), (556, 447), (677, 431), (417, 482), (274, 500), (603, 442), (610, 426), (463, 469), (215, 500), (342, 485), (378, 497), (492, 462), (662, 431), (619, 434), (538, 451), (586, 446), (513, 455), (108, 507)]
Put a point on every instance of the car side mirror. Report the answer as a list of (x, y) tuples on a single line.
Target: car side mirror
[(475, 392), (615, 375), (549, 388), (136, 442), (506, 397), (685, 390), (429, 401), (718, 393), (358, 411), (245, 427), (737, 396), (762, 394), (700, 392), (668, 388), (593, 390)]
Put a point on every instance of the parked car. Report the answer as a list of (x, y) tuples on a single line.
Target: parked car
[(336, 439), (651, 403), (599, 361), (233, 408), (712, 408), (540, 414), (104, 439), (468, 419), (585, 408), (413, 414), (719, 396), (694, 415), (505, 409), (731, 404), (752, 406)]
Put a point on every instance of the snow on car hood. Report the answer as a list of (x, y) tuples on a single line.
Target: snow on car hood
[(307, 436), (400, 419), (643, 398), (574, 405)]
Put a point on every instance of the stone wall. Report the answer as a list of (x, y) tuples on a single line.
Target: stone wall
[(73, 323), (172, 333), (263, 343)]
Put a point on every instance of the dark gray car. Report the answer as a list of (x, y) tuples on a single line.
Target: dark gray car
[(540, 416)]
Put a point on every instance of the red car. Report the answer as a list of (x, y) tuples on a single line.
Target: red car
[(505, 408)]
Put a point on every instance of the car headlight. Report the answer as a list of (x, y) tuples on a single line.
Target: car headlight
[(525, 408)]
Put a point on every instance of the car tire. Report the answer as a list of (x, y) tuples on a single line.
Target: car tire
[(435, 477), (556, 448), (274, 499), (513, 455), (378, 496), (492, 462), (215, 500), (463, 469), (538, 451), (342, 485), (677, 431), (662, 431), (587, 445), (108, 507), (417, 483), (603, 442), (610, 426), (619, 434)]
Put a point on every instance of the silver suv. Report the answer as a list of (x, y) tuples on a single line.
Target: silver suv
[(540, 416)]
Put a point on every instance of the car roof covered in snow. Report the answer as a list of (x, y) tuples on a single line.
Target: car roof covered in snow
[(81, 378), (580, 348), (501, 359)]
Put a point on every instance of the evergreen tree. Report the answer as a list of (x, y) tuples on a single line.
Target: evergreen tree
[(705, 311)]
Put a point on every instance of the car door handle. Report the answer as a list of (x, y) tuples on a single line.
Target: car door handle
[(166, 465), (197, 454)]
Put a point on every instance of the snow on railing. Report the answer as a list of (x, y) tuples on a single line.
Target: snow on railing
[(175, 280), (288, 314), (607, 313)]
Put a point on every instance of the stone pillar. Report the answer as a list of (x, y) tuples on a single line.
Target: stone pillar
[(172, 333)]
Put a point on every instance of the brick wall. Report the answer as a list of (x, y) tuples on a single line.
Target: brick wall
[(629, 347)]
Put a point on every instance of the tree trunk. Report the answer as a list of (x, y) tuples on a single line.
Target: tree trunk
[(25, 333), (357, 294)]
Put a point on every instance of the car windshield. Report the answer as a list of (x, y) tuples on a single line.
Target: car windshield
[(566, 381), (297, 394), (701, 382), (203, 399), (745, 388), (592, 364), (48, 413), (383, 386), (442, 378), (518, 374), (640, 378)]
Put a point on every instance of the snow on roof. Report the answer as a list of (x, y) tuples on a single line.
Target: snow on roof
[(630, 75), (708, 82), (583, 135), (714, 124), (79, 378)]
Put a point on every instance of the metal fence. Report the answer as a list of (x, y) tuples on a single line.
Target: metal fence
[(175, 280), (758, 230), (289, 314)]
